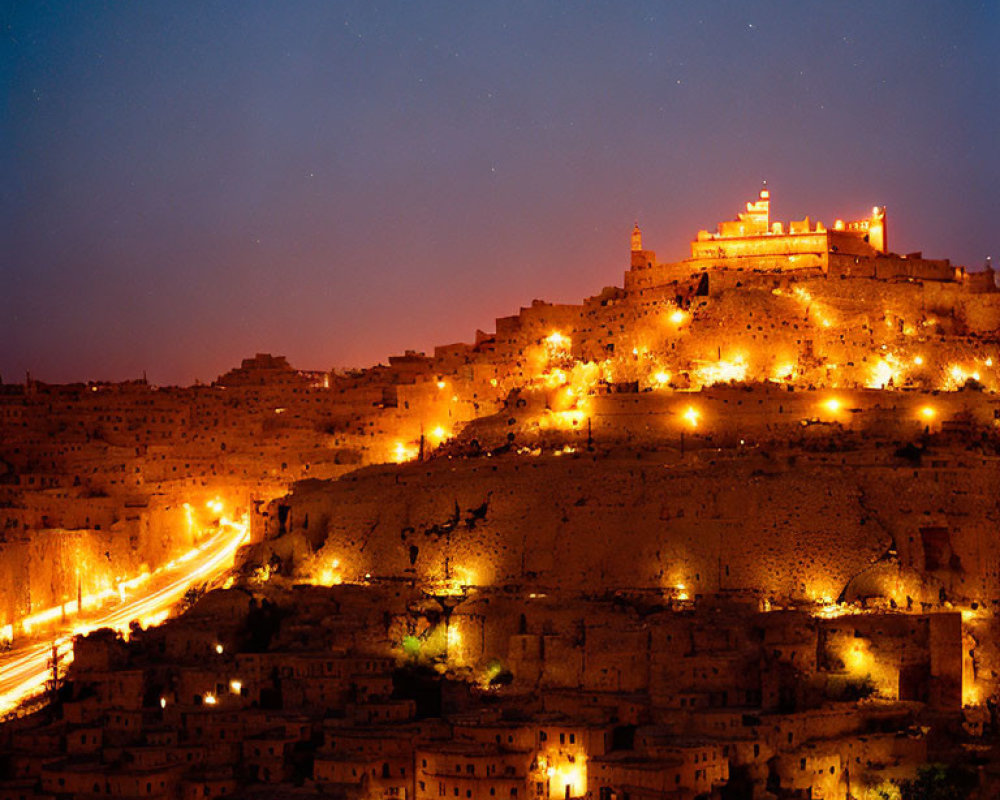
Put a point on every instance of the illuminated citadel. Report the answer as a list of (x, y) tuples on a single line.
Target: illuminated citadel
[(726, 531)]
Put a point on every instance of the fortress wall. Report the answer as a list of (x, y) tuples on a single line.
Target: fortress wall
[(850, 244), (840, 265), (639, 279), (916, 268), (749, 280), (765, 246), (763, 263)]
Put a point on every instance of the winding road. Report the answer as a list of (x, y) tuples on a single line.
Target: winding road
[(25, 670)]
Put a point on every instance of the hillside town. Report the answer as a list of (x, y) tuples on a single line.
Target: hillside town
[(724, 531)]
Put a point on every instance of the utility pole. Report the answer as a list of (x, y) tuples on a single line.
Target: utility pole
[(54, 666)]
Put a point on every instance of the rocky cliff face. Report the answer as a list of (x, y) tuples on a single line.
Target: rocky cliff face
[(765, 525)]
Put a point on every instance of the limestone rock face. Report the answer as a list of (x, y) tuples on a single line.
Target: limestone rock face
[(586, 525), (706, 523)]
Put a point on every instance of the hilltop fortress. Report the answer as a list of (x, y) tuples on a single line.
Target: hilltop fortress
[(858, 248), (732, 523)]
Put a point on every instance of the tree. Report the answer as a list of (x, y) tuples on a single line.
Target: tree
[(886, 790), (940, 782)]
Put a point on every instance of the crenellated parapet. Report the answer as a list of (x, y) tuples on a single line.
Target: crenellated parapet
[(753, 235), (753, 243)]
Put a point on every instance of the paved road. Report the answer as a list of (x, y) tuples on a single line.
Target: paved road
[(25, 670)]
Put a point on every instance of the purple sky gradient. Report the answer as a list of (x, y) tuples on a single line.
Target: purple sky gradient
[(185, 184)]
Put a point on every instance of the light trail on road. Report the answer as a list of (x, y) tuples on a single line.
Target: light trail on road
[(25, 671)]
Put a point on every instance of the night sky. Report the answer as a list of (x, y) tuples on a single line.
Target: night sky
[(185, 184)]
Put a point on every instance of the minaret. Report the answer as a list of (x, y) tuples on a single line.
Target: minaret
[(636, 239), (641, 259)]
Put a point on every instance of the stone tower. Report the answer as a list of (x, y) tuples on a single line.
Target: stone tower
[(636, 239), (758, 214), (877, 233)]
